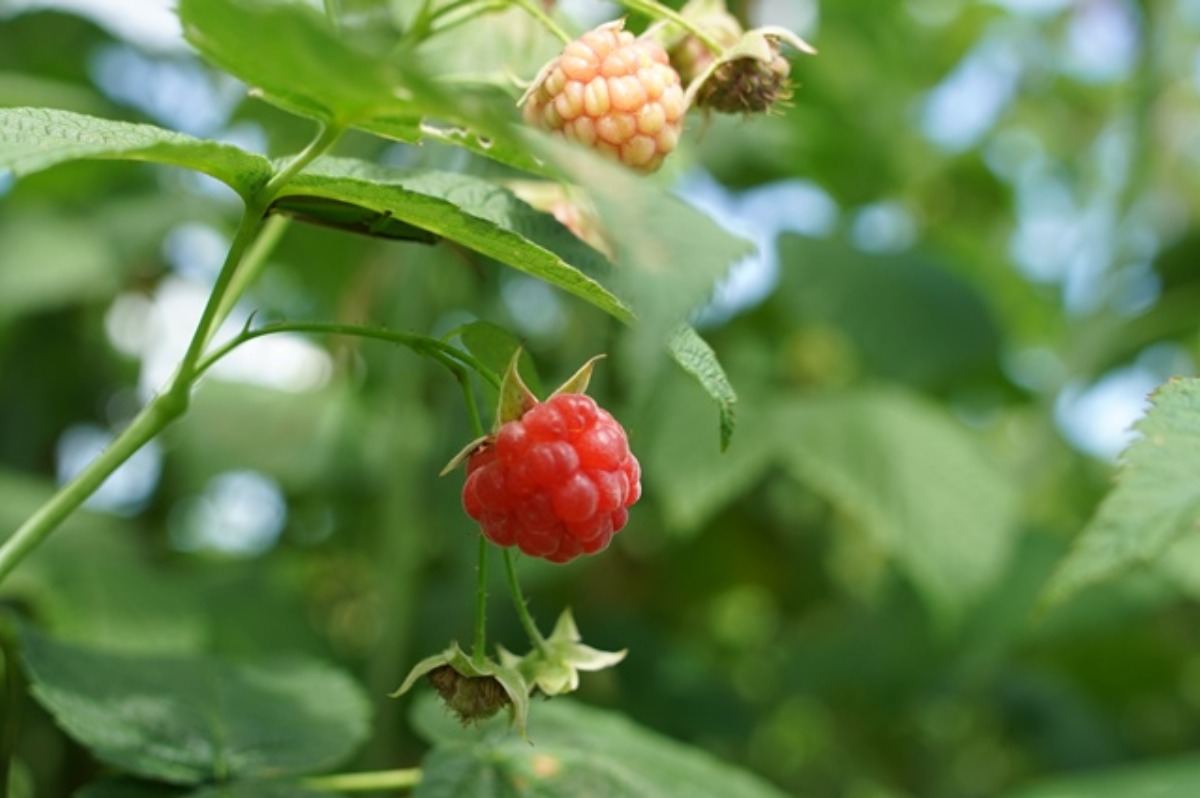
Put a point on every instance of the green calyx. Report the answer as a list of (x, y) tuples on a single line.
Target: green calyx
[(475, 691)]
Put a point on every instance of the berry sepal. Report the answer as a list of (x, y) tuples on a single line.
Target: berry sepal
[(751, 76), (474, 691), (553, 668)]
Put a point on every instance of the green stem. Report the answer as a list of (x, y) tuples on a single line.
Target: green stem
[(248, 229), (444, 353), (155, 416), (479, 652), (534, 10), (656, 10), (366, 782), (471, 11), (253, 263), (172, 403), (514, 588), (327, 136)]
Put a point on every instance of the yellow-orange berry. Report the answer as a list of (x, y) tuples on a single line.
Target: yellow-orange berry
[(613, 93)]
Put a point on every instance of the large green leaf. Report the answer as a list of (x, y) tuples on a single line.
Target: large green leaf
[(292, 57), (1173, 778), (472, 212), (191, 720), (92, 584), (1156, 501), (689, 474), (50, 261), (914, 480), (127, 788), (669, 255), (890, 307), (32, 139), (576, 751)]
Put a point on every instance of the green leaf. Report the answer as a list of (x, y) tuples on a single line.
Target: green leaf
[(291, 57), (669, 255), (890, 307), (33, 139), (127, 788), (52, 261), (690, 476), (1156, 501), (915, 482), (190, 720), (470, 211), (1165, 778), (91, 583), (576, 751), (697, 358), (494, 346)]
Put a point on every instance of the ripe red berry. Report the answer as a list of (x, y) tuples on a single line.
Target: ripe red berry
[(556, 482)]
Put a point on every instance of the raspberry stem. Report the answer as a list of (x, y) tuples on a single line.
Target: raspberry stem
[(655, 9), (530, 7), (479, 652), (514, 588)]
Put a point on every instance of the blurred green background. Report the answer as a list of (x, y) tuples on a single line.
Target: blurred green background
[(979, 251)]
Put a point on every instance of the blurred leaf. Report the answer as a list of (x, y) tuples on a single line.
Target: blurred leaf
[(189, 720), (49, 261), (469, 211), (576, 751), (289, 54), (494, 347), (669, 255), (915, 481), (689, 474), (32, 139), (1164, 778), (1156, 500), (257, 789), (128, 788), (697, 358), (91, 584), (910, 319)]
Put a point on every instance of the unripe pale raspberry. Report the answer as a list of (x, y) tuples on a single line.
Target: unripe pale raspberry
[(614, 93), (556, 482)]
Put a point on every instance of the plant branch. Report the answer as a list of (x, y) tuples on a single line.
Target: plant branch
[(155, 416), (514, 588), (366, 782), (253, 263), (171, 403), (449, 356), (479, 652), (534, 10), (327, 136), (656, 10)]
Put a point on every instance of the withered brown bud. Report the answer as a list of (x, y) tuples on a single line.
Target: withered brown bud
[(471, 698), (747, 85)]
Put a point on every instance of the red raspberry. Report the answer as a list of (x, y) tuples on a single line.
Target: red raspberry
[(614, 93), (556, 482)]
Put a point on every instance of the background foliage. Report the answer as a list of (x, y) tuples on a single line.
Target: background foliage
[(978, 248)]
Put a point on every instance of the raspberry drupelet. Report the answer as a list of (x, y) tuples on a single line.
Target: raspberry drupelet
[(556, 482), (613, 93)]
